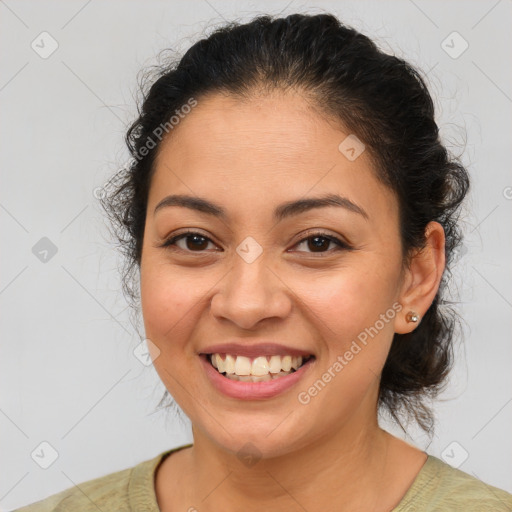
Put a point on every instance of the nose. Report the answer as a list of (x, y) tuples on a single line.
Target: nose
[(251, 293)]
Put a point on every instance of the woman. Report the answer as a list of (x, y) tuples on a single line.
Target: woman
[(292, 212)]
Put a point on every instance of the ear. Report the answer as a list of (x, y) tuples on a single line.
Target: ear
[(422, 278)]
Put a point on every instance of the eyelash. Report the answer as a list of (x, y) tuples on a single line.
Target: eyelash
[(316, 234)]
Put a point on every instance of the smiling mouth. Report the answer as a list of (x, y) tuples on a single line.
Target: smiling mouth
[(257, 369)]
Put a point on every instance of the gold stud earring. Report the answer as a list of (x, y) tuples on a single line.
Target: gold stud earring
[(412, 316)]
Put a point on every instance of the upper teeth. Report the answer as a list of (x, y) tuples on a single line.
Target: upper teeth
[(259, 366)]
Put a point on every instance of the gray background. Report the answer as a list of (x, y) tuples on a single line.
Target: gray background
[(68, 373)]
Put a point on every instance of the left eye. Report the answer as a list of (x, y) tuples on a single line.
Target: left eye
[(196, 242), (318, 242)]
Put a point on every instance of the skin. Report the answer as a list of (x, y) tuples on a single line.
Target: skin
[(250, 156)]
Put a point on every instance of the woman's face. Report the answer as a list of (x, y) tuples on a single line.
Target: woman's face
[(265, 278)]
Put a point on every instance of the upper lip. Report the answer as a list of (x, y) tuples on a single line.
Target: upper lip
[(255, 350)]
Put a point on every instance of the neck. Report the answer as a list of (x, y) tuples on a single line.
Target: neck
[(350, 470), (355, 467)]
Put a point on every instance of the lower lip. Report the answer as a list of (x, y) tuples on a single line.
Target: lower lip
[(253, 390)]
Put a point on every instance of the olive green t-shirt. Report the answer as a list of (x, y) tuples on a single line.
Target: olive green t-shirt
[(438, 487)]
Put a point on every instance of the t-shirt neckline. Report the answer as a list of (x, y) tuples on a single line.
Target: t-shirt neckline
[(141, 487), (142, 493)]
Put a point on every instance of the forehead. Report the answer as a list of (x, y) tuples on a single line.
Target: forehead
[(263, 150)]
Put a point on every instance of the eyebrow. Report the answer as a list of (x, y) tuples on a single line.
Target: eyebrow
[(281, 212)]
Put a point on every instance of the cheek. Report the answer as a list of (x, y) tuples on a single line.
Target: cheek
[(349, 300), (168, 299), (352, 310)]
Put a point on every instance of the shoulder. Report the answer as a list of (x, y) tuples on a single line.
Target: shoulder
[(106, 490), (440, 487), (109, 490), (120, 491)]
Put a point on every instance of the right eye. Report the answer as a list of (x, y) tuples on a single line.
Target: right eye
[(193, 242)]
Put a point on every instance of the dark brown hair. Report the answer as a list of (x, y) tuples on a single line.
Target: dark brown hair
[(382, 99)]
